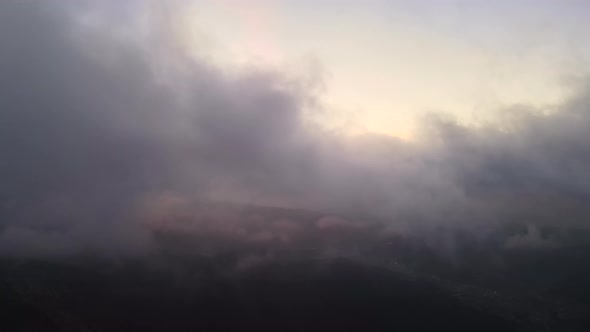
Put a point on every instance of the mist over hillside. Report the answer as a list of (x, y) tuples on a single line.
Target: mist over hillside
[(324, 273), (144, 187)]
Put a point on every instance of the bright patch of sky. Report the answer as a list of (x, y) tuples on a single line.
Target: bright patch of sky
[(388, 62)]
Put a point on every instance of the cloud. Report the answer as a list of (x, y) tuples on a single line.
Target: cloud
[(532, 239), (107, 125)]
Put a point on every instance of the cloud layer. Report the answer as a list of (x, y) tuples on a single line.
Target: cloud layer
[(107, 125)]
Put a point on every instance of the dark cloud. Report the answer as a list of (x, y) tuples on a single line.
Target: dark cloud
[(106, 127)]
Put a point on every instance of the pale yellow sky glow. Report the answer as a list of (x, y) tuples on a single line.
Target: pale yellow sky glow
[(386, 65)]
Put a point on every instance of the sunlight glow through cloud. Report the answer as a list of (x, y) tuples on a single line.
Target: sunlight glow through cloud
[(386, 64)]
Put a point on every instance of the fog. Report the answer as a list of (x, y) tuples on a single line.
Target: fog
[(110, 129)]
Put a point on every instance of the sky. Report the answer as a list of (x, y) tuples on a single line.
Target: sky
[(115, 116), (387, 63)]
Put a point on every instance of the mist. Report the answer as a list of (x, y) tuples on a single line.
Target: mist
[(110, 127), (147, 185)]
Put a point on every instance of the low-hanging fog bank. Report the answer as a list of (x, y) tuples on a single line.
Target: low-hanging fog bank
[(109, 130)]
